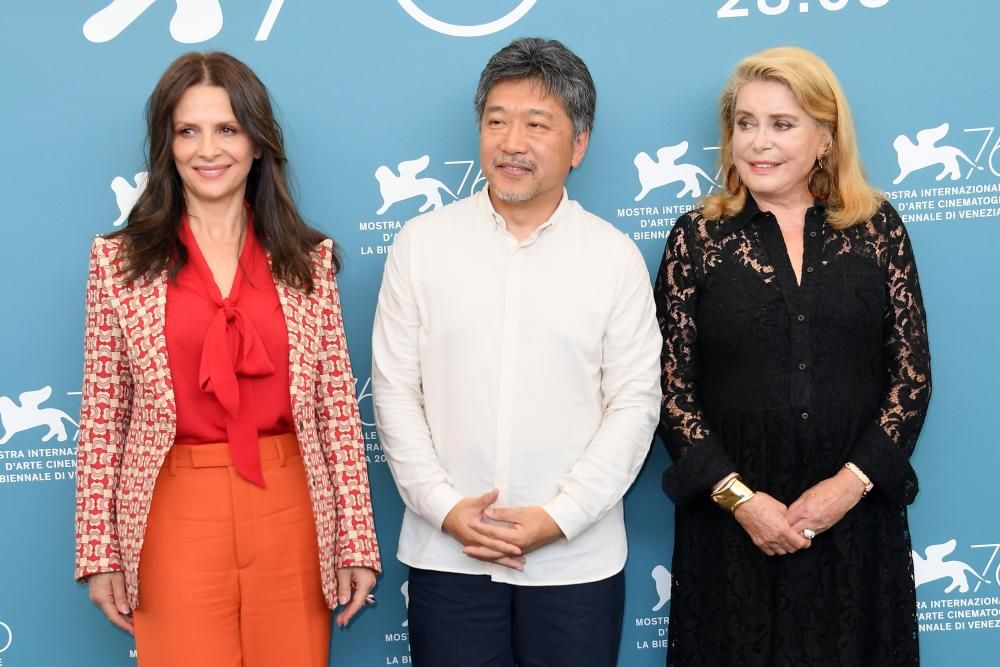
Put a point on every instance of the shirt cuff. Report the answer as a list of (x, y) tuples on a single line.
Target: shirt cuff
[(568, 515), (885, 465), (697, 471), (441, 500), (84, 572)]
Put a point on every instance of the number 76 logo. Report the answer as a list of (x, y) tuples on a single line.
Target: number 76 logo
[(194, 21)]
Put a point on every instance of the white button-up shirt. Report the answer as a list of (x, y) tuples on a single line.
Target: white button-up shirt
[(527, 366)]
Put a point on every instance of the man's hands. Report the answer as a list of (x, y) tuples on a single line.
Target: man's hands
[(527, 528), (459, 524), (516, 531)]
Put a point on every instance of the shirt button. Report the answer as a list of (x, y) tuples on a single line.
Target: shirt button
[(802, 366), (804, 415), (800, 317), (809, 270)]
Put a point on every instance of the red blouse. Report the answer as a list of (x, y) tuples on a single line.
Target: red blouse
[(228, 356)]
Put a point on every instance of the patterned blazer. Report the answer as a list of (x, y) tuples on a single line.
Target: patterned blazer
[(128, 419)]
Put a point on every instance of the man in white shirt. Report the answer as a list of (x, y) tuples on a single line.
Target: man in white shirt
[(517, 386)]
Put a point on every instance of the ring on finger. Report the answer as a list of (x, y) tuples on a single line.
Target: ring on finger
[(808, 533)]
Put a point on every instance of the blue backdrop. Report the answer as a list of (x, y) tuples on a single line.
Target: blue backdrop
[(363, 86)]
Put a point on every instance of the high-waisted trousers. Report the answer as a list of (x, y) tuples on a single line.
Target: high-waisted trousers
[(229, 572)]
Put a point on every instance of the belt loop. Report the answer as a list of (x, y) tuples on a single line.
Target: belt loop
[(280, 444), (172, 463)]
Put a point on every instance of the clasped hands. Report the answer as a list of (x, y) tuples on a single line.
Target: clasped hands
[(776, 529), (499, 535)]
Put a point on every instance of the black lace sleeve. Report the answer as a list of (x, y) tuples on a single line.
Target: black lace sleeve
[(883, 449), (700, 459)]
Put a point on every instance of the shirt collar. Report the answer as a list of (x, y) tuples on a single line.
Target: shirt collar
[(497, 220), (751, 213)]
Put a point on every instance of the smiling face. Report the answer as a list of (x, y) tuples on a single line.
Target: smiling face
[(527, 146), (212, 152), (775, 144)]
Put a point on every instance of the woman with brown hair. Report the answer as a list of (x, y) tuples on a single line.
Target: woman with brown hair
[(796, 377), (221, 466)]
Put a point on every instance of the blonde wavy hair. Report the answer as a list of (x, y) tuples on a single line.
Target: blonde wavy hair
[(850, 198)]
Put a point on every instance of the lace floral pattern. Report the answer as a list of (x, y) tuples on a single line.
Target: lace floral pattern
[(784, 382)]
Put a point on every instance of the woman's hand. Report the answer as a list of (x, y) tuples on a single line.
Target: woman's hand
[(764, 520), (107, 591), (353, 586), (826, 503)]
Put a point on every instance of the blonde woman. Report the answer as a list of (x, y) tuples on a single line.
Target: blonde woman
[(796, 377)]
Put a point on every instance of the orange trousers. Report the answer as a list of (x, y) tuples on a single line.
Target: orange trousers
[(229, 572)]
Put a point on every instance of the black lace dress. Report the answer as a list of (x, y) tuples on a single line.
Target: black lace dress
[(784, 383)]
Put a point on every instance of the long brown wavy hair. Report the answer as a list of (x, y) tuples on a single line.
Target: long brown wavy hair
[(850, 199), (150, 239)]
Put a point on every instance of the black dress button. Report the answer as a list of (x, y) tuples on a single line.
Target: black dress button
[(812, 234), (802, 366), (809, 270), (804, 415), (800, 317)]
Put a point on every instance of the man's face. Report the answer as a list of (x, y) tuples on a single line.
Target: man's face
[(527, 144)]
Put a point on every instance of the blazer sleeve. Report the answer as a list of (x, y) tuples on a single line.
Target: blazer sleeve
[(340, 432), (105, 410)]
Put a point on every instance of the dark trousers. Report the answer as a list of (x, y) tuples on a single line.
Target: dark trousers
[(462, 620)]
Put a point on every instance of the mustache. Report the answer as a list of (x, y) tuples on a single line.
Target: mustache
[(514, 160)]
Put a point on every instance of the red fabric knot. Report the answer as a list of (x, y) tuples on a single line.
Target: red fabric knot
[(232, 351), (232, 348)]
